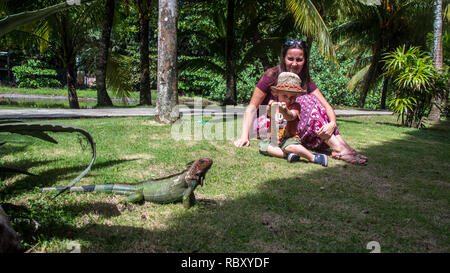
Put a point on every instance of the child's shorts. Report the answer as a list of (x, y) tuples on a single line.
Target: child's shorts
[(264, 144)]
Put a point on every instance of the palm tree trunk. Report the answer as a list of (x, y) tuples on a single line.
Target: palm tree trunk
[(9, 238), (435, 112), (371, 74), (166, 106), (231, 97), (72, 84), (126, 5), (144, 87), (68, 57), (384, 93), (103, 98), (309, 41)]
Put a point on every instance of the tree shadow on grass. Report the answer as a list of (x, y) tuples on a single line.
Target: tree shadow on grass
[(348, 121), (22, 165), (399, 200), (389, 124)]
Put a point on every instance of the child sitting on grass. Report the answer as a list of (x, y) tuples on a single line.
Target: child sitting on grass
[(286, 122)]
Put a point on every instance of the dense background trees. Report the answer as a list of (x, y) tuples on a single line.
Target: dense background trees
[(224, 46)]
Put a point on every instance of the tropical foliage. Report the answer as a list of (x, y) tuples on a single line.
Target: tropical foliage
[(370, 30), (415, 79), (362, 31), (32, 76)]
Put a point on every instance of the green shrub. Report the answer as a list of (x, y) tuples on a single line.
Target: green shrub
[(416, 81), (331, 81), (202, 82), (30, 75)]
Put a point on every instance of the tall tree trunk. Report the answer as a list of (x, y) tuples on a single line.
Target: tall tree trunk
[(435, 113), (371, 74), (127, 8), (231, 97), (72, 84), (384, 93), (69, 61), (9, 239), (166, 106), (144, 87), (309, 41), (103, 98)]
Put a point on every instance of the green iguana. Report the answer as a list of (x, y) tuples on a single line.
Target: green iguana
[(177, 187)]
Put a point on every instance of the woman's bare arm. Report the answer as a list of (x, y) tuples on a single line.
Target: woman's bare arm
[(328, 129), (256, 100)]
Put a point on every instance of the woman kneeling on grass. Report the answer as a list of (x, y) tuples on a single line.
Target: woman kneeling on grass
[(317, 128)]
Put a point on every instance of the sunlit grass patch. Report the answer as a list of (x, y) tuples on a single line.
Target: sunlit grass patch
[(249, 202)]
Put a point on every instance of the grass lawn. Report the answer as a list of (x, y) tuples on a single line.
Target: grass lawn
[(7, 103), (85, 93), (249, 203)]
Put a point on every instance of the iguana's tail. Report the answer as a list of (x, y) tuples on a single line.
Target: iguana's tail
[(114, 188)]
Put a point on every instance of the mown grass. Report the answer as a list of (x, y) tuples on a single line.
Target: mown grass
[(249, 203), (12, 103), (81, 93)]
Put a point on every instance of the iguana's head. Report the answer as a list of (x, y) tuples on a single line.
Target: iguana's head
[(198, 170)]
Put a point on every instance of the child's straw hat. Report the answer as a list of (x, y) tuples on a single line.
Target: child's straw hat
[(288, 81)]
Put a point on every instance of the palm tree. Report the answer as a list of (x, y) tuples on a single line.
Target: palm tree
[(374, 28), (308, 19), (69, 27), (435, 112), (103, 98), (11, 22), (230, 97), (71, 31), (167, 62), (144, 88), (261, 29)]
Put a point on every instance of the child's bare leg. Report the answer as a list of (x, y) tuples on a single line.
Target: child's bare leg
[(301, 151), (275, 151)]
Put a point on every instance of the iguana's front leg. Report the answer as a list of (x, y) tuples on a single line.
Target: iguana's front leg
[(189, 197), (136, 197)]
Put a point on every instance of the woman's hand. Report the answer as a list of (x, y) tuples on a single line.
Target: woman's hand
[(242, 142), (327, 130)]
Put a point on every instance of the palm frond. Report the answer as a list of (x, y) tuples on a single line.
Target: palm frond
[(259, 48), (309, 21), (446, 12), (357, 78), (118, 75), (11, 22), (195, 64)]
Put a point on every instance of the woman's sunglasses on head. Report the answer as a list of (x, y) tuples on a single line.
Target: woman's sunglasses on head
[(293, 42)]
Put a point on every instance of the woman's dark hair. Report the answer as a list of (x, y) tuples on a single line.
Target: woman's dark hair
[(304, 74), (272, 73)]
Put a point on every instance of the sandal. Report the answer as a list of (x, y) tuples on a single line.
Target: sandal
[(352, 157), (360, 155)]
